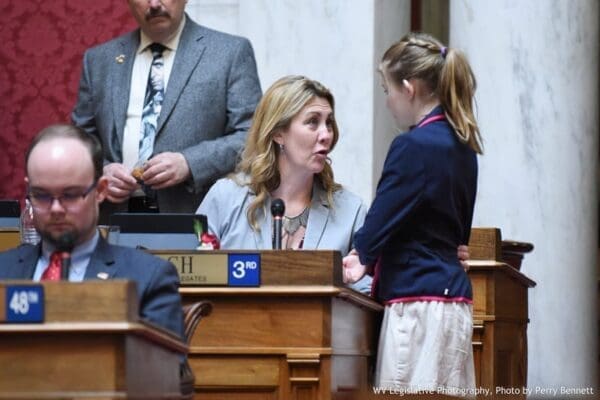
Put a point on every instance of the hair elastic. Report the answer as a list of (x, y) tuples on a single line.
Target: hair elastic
[(444, 50)]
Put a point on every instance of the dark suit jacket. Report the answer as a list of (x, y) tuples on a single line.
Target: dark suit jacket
[(157, 280), (212, 93), (422, 211)]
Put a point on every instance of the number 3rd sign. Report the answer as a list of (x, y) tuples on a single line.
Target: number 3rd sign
[(243, 269)]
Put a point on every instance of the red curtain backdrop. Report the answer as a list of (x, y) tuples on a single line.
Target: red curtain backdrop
[(41, 47)]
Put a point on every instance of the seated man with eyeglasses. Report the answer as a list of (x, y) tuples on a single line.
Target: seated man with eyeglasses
[(65, 187)]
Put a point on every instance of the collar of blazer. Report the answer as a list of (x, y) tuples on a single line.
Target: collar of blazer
[(188, 54), (27, 261), (317, 221), (102, 263)]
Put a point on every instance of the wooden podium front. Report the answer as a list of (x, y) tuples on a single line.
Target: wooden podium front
[(300, 335), (500, 314), (90, 346)]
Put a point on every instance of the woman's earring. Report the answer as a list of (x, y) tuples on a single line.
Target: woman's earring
[(281, 147)]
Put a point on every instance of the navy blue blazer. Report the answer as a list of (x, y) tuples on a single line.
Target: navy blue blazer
[(157, 280), (421, 213)]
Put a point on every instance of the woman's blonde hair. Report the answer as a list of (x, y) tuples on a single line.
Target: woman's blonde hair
[(258, 166), (447, 74)]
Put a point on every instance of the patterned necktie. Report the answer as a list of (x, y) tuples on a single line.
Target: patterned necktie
[(155, 93), (52, 272)]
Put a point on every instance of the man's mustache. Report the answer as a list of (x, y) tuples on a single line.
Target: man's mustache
[(156, 12)]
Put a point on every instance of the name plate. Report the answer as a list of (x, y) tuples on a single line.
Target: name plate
[(22, 303), (205, 268)]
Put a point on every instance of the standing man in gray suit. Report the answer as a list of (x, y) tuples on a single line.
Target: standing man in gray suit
[(207, 94)]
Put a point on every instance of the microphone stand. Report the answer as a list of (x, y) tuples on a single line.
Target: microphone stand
[(65, 265), (66, 242)]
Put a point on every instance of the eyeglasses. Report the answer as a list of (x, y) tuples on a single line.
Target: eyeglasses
[(69, 199)]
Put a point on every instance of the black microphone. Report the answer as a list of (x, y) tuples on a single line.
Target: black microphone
[(277, 210), (65, 245)]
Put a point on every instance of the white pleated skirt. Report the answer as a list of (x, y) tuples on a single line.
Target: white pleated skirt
[(425, 347)]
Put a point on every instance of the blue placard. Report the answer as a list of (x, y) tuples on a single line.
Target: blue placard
[(24, 303), (243, 269)]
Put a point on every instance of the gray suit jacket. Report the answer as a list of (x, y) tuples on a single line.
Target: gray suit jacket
[(212, 94), (157, 280), (226, 205)]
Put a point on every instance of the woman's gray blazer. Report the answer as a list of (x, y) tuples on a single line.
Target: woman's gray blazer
[(226, 204)]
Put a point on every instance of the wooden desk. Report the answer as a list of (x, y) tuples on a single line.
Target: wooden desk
[(500, 313), (90, 346), (298, 336), (302, 335), (112, 360)]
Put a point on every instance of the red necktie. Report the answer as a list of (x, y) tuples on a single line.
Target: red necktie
[(52, 272)]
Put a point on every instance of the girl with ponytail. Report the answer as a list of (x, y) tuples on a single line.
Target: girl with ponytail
[(421, 213)]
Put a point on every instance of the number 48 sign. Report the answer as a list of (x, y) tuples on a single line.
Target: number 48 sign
[(244, 269), (24, 303)]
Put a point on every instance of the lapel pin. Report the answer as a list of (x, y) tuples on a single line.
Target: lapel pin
[(120, 59), (102, 275)]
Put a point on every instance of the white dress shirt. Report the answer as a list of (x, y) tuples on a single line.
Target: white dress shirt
[(137, 91)]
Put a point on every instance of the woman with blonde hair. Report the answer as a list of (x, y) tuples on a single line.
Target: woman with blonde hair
[(422, 211), (287, 156)]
